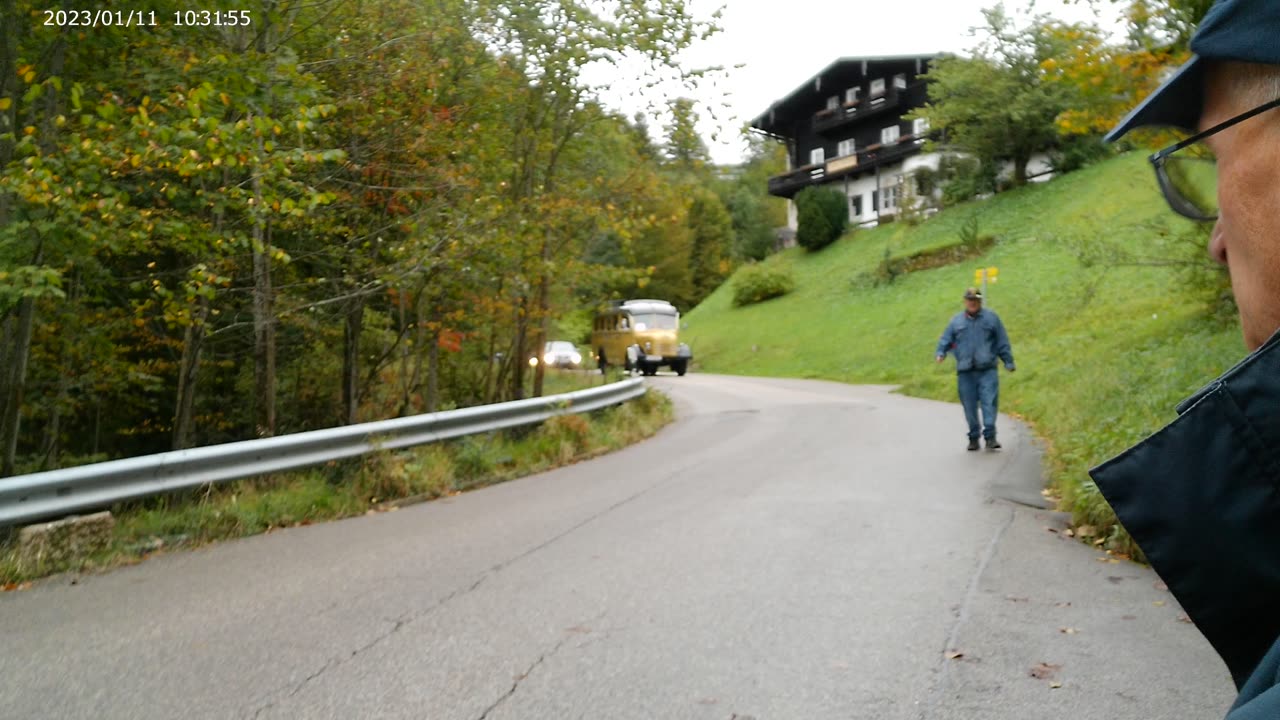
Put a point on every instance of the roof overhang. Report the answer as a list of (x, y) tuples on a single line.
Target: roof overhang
[(766, 122)]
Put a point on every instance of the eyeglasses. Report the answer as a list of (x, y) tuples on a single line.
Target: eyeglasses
[(1188, 171)]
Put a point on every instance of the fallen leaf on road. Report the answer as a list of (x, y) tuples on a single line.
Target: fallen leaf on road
[(1114, 579), (1161, 586), (1015, 598), (1063, 604), (1099, 541), (1185, 619), (1069, 532), (14, 587), (1086, 531), (1158, 603), (1052, 530), (1055, 684), (1068, 630), (955, 654), (1044, 671)]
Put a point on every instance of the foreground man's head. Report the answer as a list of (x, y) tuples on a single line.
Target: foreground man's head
[(1229, 173)]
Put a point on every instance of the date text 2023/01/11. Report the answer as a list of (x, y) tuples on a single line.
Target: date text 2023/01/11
[(146, 18)]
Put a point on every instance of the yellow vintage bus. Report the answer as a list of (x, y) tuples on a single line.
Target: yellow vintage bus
[(640, 335)]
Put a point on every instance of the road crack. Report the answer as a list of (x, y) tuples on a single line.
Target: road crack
[(943, 668), (515, 685), (398, 624)]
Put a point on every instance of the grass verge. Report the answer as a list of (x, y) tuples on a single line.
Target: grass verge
[(376, 483), (1105, 345)]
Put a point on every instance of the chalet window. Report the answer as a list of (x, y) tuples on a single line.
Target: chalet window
[(816, 156), (889, 135), (875, 198), (890, 198), (851, 95), (846, 147), (855, 207), (833, 102), (900, 81), (920, 126), (877, 88)]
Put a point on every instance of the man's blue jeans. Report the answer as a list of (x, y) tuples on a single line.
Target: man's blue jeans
[(980, 388)]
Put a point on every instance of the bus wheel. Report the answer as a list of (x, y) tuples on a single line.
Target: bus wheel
[(681, 367)]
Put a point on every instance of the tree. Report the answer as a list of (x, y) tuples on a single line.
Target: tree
[(1164, 25), (684, 146), (1103, 80), (997, 105), (711, 229), (821, 216)]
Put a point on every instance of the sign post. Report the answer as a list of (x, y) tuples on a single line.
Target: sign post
[(983, 276)]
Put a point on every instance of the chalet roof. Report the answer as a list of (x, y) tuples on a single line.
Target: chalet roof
[(840, 66)]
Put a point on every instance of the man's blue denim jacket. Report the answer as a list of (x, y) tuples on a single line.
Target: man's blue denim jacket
[(977, 341)]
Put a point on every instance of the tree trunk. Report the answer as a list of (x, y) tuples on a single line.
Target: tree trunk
[(264, 329), (53, 431), (188, 369), (433, 361), (16, 379), (520, 349), (1020, 170), (16, 382), (353, 326), (540, 337), (544, 300)]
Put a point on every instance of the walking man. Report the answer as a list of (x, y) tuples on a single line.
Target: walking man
[(1202, 496), (978, 339)]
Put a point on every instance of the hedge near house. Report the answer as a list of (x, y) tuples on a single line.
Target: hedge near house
[(821, 215)]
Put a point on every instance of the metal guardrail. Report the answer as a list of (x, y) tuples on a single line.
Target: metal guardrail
[(56, 493)]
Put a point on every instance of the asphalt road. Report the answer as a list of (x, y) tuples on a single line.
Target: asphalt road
[(786, 550)]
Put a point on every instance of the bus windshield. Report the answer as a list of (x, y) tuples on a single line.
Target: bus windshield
[(655, 321)]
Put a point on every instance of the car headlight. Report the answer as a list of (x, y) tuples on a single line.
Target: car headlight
[(549, 358), (533, 362), (576, 358)]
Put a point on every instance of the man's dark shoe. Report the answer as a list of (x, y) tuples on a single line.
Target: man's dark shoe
[(993, 444), (973, 443)]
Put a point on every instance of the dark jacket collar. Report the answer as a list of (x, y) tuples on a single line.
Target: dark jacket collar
[(1202, 499)]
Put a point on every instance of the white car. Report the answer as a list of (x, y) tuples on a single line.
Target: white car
[(559, 354)]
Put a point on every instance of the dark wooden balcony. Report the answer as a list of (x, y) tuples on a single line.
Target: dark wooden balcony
[(912, 96), (788, 184), (867, 159)]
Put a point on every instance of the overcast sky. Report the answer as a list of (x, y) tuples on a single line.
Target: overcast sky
[(783, 43)]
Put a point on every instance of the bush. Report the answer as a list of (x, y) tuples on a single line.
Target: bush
[(822, 215), (757, 283), (963, 177), (1078, 152)]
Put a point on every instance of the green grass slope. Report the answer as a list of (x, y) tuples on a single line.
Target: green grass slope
[(1103, 354)]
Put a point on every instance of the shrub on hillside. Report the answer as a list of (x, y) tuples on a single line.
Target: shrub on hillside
[(757, 283), (822, 215), (963, 177)]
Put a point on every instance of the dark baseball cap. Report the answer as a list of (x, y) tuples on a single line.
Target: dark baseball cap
[(972, 294), (1233, 30)]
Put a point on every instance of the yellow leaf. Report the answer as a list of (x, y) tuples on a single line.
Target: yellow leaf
[(5, 103), (30, 76)]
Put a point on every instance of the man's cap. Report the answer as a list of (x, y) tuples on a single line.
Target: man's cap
[(1233, 30), (972, 294)]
